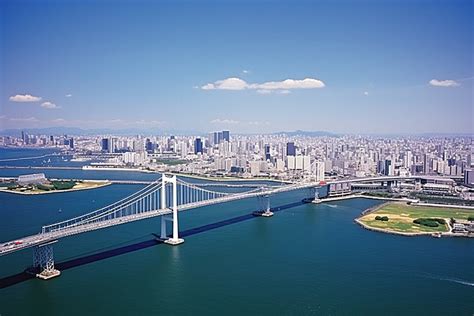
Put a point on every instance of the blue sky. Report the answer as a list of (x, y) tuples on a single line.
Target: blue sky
[(371, 66)]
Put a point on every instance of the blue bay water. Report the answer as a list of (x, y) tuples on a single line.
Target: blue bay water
[(307, 259)]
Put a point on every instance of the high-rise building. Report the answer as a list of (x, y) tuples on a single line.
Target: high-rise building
[(255, 168), (219, 137), (469, 177), (149, 146), (105, 145), (408, 159), (388, 169), (198, 146), (184, 149), (267, 152), (226, 136), (427, 164), (319, 170), (290, 149)]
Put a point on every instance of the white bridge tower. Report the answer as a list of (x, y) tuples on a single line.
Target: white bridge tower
[(175, 240)]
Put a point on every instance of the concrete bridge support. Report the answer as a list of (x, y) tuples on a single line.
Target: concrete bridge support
[(265, 210), (43, 260), (174, 240)]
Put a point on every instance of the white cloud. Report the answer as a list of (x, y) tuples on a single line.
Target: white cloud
[(284, 91), (307, 83), (227, 84), (68, 95), (285, 85), (58, 120), (366, 92), (258, 123), (208, 86), (49, 105), (24, 98), (264, 91), (224, 121), (245, 71), (444, 83), (24, 119)]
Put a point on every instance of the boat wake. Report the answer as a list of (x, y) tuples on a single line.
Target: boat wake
[(453, 280)]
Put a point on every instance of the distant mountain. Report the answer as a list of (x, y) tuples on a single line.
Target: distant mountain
[(308, 133)]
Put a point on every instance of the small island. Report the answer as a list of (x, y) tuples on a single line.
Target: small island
[(412, 220), (39, 184)]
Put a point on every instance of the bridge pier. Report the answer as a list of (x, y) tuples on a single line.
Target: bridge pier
[(313, 196), (264, 202), (43, 261), (174, 240), (316, 199)]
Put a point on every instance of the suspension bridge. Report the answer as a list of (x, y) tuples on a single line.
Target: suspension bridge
[(165, 198)]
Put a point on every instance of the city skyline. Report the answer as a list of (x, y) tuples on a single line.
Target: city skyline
[(343, 68)]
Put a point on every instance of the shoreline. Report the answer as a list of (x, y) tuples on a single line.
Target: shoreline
[(408, 234), (226, 179), (102, 184), (185, 175), (117, 169), (381, 230), (356, 196)]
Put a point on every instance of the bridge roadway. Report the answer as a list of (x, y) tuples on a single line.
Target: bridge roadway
[(225, 185), (42, 238)]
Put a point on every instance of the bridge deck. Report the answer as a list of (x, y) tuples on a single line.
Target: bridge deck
[(41, 238)]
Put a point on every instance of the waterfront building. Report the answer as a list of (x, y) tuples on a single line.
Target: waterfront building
[(469, 177), (35, 178)]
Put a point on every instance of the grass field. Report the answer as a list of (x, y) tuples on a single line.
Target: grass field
[(401, 217), (71, 185), (171, 162)]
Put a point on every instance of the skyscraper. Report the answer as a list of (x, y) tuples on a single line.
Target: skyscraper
[(219, 137), (149, 146), (198, 146), (226, 136), (105, 145), (388, 169), (267, 152), (290, 149), (319, 170)]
